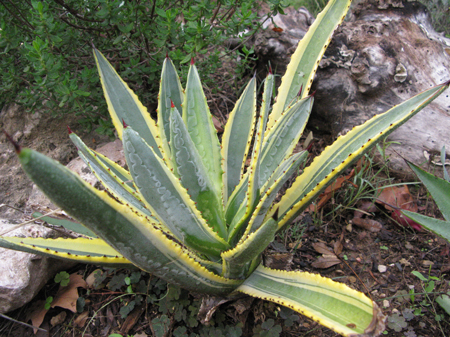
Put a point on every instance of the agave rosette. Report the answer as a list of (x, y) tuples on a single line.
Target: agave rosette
[(188, 210)]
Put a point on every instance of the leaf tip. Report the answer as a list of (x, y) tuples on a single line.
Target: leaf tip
[(15, 144), (125, 125), (69, 129), (171, 104)]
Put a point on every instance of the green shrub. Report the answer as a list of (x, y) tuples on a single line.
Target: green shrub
[(45, 47)]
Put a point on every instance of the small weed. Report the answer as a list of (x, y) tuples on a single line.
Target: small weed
[(62, 278), (48, 302), (429, 284)]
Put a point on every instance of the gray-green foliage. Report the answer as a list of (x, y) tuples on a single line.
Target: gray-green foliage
[(46, 47)]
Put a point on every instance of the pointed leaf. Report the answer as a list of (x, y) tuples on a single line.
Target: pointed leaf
[(94, 251), (281, 140), (332, 304), (236, 200), (345, 150), (438, 188), (113, 183), (253, 171), (305, 60), (189, 167), (123, 104), (199, 123), (67, 224), (170, 91), (152, 249), (236, 138), (167, 198), (283, 173), (439, 227)]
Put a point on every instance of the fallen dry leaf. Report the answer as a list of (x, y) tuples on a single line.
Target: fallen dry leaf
[(365, 207), (217, 124), (326, 261), (58, 319), (397, 196), (322, 248), (38, 314), (371, 225), (328, 258), (132, 318), (330, 190), (281, 261), (338, 247), (90, 280), (398, 216), (81, 319), (67, 296)]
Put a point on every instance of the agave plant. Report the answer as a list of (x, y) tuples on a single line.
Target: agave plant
[(188, 209), (440, 191)]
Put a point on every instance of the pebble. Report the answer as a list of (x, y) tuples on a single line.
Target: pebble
[(382, 268), (385, 303)]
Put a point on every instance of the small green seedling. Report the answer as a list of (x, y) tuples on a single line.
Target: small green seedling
[(62, 278)]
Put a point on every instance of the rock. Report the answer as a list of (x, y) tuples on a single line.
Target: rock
[(280, 38), (22, 275), (382, 268), (41, 132), (385, 53), (395, 54)]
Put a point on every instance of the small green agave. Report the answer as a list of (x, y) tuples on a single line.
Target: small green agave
[(189, 211)]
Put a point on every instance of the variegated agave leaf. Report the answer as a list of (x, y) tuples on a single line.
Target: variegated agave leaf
[(189, 210)]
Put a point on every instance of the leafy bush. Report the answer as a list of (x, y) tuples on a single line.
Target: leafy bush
[(440, 15), (45, 47)]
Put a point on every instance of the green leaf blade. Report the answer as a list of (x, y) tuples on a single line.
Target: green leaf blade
[(345, 150), (167, 198), (439, 227), (198, 120), (193, 175), (67, 224), (111, 176), (438, 188), (236, 260), (334, 305), (170, 91), (236, 139), (124, 105), (304, 62), (154, 250), (281, 140)]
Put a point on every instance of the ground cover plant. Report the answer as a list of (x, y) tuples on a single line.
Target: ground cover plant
[(190, 211)]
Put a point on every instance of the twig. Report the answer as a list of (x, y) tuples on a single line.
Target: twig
[(22, 323), (27, 222)]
